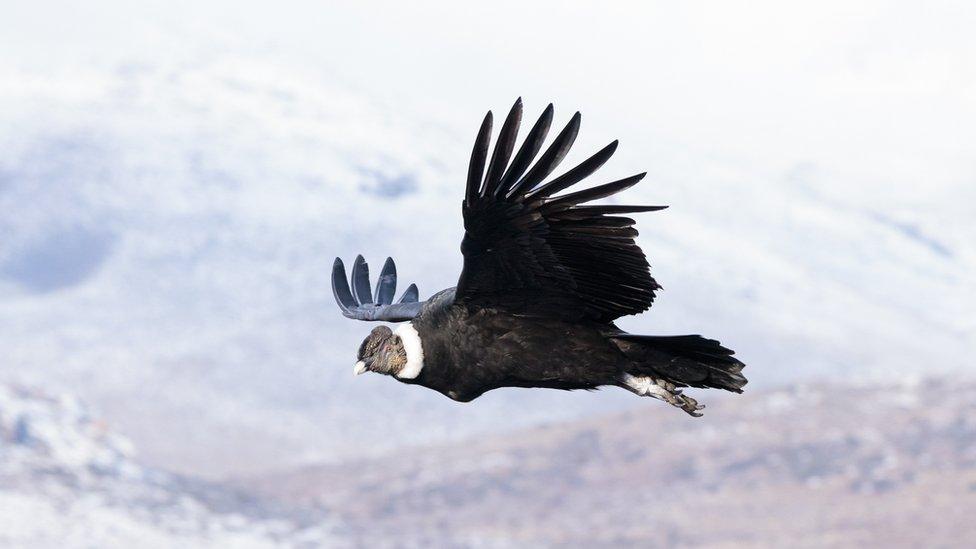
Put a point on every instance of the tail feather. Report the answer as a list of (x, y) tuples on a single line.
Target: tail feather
[(688, 360)]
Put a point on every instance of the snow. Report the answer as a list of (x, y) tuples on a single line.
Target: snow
[(66, 480), (38, 522)]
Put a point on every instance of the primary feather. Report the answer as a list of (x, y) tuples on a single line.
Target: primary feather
[(534, 253)]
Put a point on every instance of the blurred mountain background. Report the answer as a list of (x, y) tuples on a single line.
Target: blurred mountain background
[(176, 179)]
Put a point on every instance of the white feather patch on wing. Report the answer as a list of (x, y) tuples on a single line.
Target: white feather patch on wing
[(414, 349)]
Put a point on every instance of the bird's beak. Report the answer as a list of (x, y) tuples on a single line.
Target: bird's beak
[(359, 368)]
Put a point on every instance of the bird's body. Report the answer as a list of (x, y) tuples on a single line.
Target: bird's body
[(468, 351), (544, 278)]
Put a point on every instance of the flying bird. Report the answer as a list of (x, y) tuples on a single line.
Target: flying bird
[(545, 275)]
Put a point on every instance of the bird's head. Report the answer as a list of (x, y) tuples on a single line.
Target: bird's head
[(381, 352)]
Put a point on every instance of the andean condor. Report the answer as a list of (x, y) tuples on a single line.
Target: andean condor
[(544, 278)]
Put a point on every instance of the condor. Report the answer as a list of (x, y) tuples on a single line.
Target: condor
[(544, 278)]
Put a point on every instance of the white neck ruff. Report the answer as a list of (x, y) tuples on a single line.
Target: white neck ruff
[(414, 349)]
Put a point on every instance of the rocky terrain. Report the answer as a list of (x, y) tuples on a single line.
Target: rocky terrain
[(806, 467)]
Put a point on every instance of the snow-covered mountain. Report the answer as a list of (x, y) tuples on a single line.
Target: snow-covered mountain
[(67, 480), (172, 195)]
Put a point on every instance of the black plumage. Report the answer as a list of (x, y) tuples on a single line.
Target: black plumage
[(544, 277)]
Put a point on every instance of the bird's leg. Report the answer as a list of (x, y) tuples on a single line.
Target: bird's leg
[(662, 389)]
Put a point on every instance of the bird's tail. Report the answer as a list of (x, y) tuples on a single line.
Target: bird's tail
[(688, 360)]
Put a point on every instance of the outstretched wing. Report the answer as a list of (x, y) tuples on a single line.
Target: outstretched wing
[(359, 303), (531, 252)]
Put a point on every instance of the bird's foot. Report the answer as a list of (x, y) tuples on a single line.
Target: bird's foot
[(688, 404), (662, 389)]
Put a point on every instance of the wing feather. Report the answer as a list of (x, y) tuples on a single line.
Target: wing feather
[(530, 147), (476, 167), (386, 284), (503, 149), (358, 303), (410, 295), (549, 159), (577, 174), (594, 193), (360, 281), (533, 253)]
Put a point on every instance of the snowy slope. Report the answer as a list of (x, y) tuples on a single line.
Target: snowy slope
[(169, 212), (66, 480)]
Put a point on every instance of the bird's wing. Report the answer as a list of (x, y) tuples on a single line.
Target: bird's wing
[(529, 252), (361, 304)]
